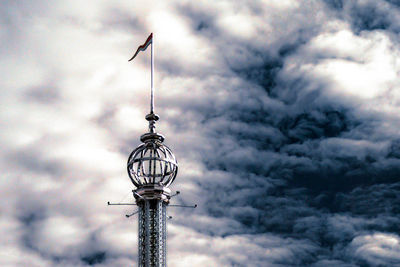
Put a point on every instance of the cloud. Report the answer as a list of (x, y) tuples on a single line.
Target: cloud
[(283, 116), (376, 249)]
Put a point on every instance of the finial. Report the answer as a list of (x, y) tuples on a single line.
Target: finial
[(152, 118)]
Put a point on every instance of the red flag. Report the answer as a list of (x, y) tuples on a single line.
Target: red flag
[(143, 46)]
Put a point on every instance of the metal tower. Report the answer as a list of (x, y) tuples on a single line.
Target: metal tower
[(152, 167)]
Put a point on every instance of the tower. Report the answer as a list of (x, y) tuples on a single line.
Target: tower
[(152, 167)]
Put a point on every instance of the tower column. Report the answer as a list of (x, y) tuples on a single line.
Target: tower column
[(152, 201), (152, 233)]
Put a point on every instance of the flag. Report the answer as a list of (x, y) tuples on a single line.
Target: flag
[(143, 46)]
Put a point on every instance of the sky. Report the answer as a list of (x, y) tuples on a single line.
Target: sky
[(283, 116)]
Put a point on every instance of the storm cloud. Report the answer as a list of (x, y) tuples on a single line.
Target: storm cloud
[(283, 116)]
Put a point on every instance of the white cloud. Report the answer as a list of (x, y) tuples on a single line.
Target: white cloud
[(72, 108), (376, 249)]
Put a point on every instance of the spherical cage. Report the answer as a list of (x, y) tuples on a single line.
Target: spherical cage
[(152, 163)]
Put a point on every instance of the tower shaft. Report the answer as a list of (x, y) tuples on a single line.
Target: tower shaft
[(152, 233)]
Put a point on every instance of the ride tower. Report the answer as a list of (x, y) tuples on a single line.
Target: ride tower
[(152, 167)]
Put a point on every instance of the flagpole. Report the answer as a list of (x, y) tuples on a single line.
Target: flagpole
[(151, 117), (152, 78)]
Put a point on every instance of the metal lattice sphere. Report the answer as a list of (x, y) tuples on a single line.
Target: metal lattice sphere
[(152, 163)]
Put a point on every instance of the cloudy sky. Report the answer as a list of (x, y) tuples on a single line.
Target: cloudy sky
[(283, 115)]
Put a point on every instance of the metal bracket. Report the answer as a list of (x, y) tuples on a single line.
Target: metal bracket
[(181, 206), (176, 193), (123, 204), (139, 196), (129, 215), (184, 206), (120, 204)]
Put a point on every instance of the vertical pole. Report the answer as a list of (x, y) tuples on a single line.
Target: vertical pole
[(152, 78), (152, 233)]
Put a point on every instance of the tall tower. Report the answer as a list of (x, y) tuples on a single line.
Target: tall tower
[(152, 167)]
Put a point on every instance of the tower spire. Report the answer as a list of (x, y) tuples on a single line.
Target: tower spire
[(152, 167), (152, 117)]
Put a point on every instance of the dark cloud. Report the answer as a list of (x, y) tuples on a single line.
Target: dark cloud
[(95, 258), (298, 168), (369, 15)]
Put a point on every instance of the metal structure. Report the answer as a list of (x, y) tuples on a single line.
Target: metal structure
[(152, 168)]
